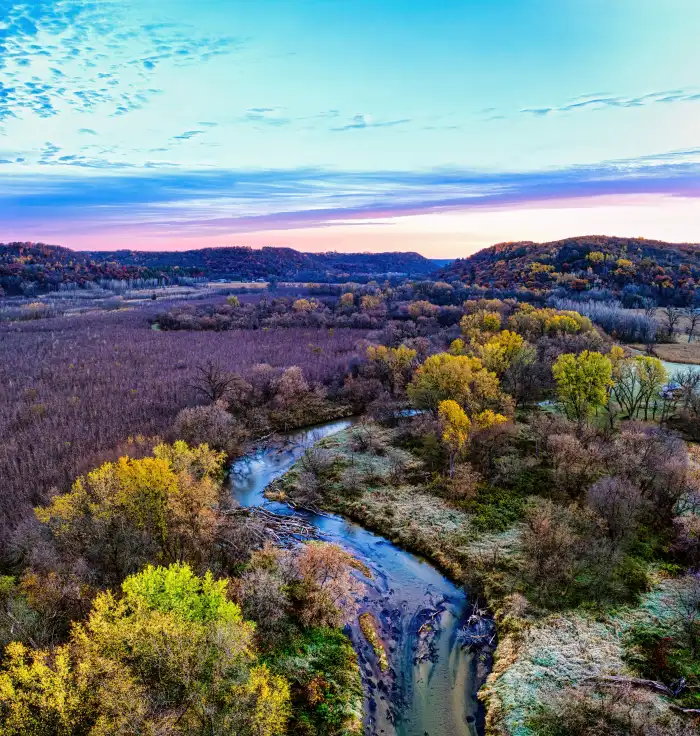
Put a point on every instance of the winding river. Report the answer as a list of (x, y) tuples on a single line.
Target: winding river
[(429, 689)]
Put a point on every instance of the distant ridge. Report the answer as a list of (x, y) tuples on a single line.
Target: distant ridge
[(631, 265), (285, 263), (46, 267)]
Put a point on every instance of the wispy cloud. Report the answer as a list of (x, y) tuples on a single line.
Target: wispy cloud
[(82, 55), (362, 121), (599, 101), (187, 135)]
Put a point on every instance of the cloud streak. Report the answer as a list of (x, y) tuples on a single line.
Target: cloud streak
[(598, 101), (225, 202)]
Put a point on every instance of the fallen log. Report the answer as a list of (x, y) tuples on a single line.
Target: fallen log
[(659, 687)]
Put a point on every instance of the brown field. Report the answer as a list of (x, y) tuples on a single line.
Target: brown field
[(675, 352)]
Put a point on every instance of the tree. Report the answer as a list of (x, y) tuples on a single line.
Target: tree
[(582, 382), (636, 382), (171, 654), (213, 382), (652, 376), (456, 426), (395, 362), (211, 425), (501, 351), (618, 502), (327, 591), (692, 314), (482, 321), (458, 377), (233, 301), (673, 316), (128, 513)]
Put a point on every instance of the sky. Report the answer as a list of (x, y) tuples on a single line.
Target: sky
[(357, 125)]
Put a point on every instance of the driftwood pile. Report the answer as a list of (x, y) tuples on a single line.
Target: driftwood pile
[(284, 530)]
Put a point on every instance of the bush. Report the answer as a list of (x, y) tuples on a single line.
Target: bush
[(210, 425), (495, 509), (621, 711)]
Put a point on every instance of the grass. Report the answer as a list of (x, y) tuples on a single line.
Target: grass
[(368, 626), (675, 352)]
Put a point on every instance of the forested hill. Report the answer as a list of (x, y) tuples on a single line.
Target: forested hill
[(283, 263), (650, 267), (41, 267), (36, 267)]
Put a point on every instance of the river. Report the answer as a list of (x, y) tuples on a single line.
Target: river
[(430, 687)]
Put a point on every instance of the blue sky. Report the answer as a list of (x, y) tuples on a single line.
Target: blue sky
[(325, 124)]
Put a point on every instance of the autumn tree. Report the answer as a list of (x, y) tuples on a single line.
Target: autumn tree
[(582, 382), (130, 512), (327, 589), (460, 378), (396, 363), (457, 427), (172, 652), (501, 351)]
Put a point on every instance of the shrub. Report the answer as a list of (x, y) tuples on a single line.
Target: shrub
[(587, 711), (210, 425)]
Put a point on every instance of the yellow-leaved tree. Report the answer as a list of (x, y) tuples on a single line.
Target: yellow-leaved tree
[(172, 654), (395, 362), (127, 513), (457, 428), (462, 378), (582, 382)]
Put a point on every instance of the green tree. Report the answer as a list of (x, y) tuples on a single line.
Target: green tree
[(582, 382), (636, 382)]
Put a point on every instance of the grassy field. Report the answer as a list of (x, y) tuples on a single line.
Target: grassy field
[(676, 352)]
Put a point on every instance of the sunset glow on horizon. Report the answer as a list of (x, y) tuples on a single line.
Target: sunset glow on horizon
[(358, 126)]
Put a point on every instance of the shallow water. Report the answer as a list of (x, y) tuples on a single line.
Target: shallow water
[(429, 689)]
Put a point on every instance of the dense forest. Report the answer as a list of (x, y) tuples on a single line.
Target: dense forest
[(281, 263), (31, 268), (528, 447), (631, 269)]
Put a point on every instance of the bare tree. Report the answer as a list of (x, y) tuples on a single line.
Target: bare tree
[(673, 315), (649, 306), (692, 314), (213, 381)]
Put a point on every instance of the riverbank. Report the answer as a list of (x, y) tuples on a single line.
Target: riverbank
[(426, 682), (539, 652)]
